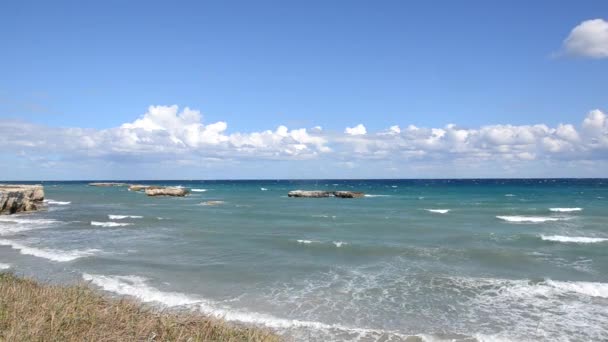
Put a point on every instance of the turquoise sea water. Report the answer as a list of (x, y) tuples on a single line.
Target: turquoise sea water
[(463, 260)]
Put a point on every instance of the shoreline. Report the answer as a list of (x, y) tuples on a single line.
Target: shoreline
[(31, 309)]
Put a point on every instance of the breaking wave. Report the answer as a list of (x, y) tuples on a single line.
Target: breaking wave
[(438, 211), (122, 217), (572, 239), (565, 210), (198, 190), (530, 219), (110, 224), (53, 202), (50, 254)]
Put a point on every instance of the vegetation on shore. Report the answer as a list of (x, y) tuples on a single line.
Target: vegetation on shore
[(32, 311)]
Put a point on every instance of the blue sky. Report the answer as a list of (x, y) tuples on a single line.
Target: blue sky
[(335, 64)]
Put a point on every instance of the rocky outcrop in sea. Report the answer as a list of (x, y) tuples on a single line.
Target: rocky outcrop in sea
[(15, 198)]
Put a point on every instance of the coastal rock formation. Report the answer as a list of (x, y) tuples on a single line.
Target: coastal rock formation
[(102, 184), (18, 198), (166, 191), (320, 193), (349, 194), (139, 187)]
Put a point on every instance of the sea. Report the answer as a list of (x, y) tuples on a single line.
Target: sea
[(414, 260)]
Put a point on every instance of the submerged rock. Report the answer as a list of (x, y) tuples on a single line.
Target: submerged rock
[(309, 193), (166, 191), (320, 194), (210, 203), (108, 184), (18, 198), (139, 187)]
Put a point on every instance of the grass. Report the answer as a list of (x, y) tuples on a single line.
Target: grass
[(33, 311)]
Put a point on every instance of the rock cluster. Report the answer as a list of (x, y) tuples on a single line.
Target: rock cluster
[(320, 193), (108, 184), (15, 198), (166, 191)]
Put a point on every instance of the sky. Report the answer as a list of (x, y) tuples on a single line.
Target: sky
[(303, 89)]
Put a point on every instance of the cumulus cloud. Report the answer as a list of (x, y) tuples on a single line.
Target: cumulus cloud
[(588, 39), (164, 133), (357, 130)]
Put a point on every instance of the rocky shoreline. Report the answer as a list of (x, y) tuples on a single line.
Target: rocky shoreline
[(322, 194), (16, 198)]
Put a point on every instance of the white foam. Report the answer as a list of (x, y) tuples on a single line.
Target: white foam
[(339, 243), (307, 242), (137, 287), (122, 217), (109, 224), (15, 224), (509, 195), (438, 211), (530, 219), (574, 239), (591, 289), (198, 190), (53, 202), (394, 186), (4, 266), (565, 210), (51, 254), (263, 189), (370, 195)]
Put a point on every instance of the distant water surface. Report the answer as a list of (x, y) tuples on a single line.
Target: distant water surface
[(432, 260)]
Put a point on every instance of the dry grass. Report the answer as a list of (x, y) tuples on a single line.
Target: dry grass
[(30, 311)]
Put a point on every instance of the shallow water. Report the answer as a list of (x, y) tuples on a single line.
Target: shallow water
[(520, 260)]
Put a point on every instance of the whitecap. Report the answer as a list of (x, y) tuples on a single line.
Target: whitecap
[(51, 254), (198, 190), (263, 189), (307, 242), (530, 219), (138, 287), (509, 195), (122, 217), (16, 224), (339, 243), (4, 266), (438, 211), (573, 239), (565, 210), (109, 224), (53, 202), (369, 195)]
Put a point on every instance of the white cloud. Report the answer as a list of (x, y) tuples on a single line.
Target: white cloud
[(164, 134), (588, 39), (357, 130)]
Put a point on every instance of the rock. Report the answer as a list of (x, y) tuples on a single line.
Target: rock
[(349, 194), (139, 187), (108, 184), (307, 193), (166, 191), (210, 203), (319, 194), (18, 198)]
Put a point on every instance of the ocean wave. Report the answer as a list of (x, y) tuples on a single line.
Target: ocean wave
[(110, 224), (263, 189), (371, 195), (136, 286), (51, 254), (530, 219), (565, 210), (198, 190), (4, 266), (122, 217), (509, 195), (339, 243), (438, 211), (15, 224), (574, 239), (53, 202), (307, 242)]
